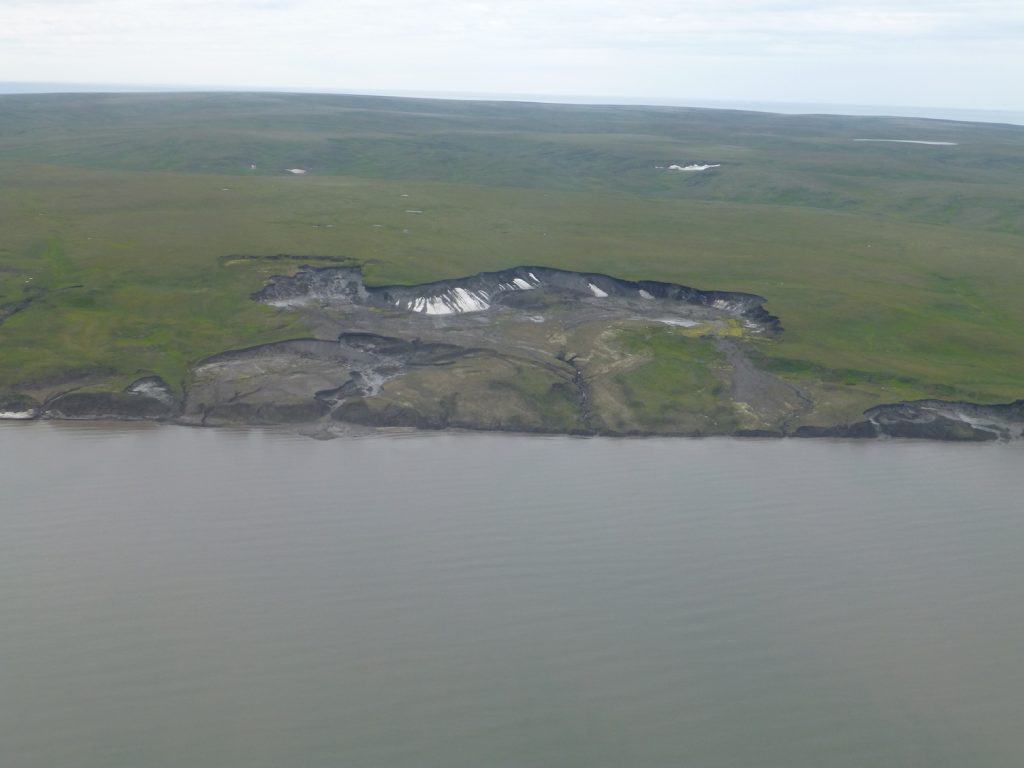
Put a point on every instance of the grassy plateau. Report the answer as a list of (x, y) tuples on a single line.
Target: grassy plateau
[(897, 269)]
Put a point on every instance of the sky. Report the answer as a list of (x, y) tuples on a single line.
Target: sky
[(952, 53)]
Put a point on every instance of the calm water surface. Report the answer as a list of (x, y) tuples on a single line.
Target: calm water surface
[(175, 597)]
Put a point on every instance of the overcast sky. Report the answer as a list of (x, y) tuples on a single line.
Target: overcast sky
[(954, 53)]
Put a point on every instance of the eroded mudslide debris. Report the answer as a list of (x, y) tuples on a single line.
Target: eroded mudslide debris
[(303, 380), (529, 349), (543, 348)]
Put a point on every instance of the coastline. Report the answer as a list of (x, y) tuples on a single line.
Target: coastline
[(930, 420)]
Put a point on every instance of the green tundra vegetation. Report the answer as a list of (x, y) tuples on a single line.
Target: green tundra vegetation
[(897, 269)]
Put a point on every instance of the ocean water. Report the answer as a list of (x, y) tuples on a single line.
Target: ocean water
[(251, 599)]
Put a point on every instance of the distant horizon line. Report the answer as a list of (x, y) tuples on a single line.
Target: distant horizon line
[(970, 114)]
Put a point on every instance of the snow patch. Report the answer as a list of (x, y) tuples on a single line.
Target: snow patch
[(914, 141), (694, 167), (297, 171), (522, 284), (645, 295), (597, 291), (677, 321)]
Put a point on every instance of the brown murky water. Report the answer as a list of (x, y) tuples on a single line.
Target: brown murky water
[(213, 599)]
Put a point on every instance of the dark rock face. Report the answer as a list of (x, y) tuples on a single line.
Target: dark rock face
[(108, 405), (481, 292), (956, 421), (861, 429)]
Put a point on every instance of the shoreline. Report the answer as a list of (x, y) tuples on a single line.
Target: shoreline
[(880, 425)]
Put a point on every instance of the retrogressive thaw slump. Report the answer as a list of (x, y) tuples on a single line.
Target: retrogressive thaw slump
[(530, 349)]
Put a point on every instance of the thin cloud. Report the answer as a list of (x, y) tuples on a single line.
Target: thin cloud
[(525, 45)]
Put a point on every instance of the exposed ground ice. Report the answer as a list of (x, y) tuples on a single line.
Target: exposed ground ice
[(344, 287)]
